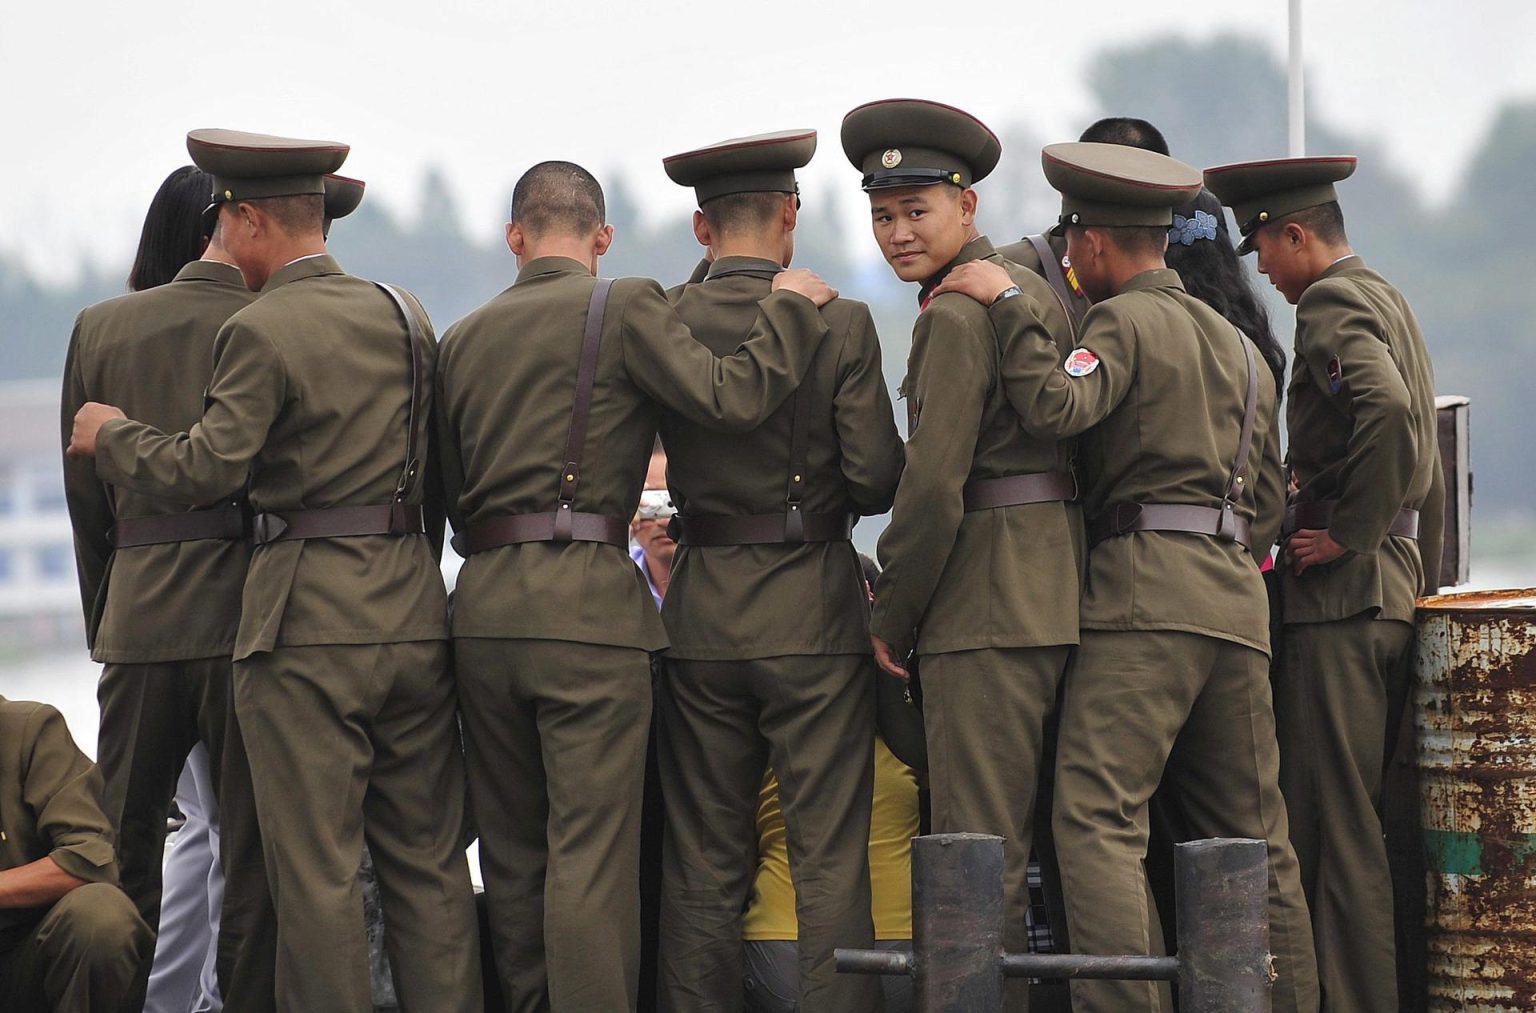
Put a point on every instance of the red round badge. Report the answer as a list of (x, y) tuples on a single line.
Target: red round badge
[(1081, 362)]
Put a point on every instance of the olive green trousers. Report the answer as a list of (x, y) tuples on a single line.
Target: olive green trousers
[(1339, 692), (721, 723), (355, 743), (556, 735), (83, 956), (1194, 713), (985, 714)]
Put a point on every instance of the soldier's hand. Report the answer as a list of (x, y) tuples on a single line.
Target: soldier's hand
[(886, 658), (1311, 547), (982, 280), (88, 422), (806, 283)]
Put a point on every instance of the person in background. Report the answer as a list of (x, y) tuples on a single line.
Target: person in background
[(653, 548), (70, 940)]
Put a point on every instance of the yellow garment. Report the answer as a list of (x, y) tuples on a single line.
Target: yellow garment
[(892, 825)]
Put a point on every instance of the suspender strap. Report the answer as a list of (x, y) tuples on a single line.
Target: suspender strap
[(1239, 473), (494, 532), (760, 529), (228, 523), (1050, 266), (417, 411), (1017, 490), (338, 522), (1319, 514), (799, 426), (581, 411)]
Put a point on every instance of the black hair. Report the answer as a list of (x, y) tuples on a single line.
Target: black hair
[(1325, 221), (742, 212), (173, 233), (1126, 130), (1213, 273), (558, 195), (296, 214), (1141, 240)]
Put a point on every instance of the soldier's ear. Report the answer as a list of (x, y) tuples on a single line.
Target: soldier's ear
[(516, 241), (701, 230), (603, 241), (968, 203), (1295, 235), (791, 211)]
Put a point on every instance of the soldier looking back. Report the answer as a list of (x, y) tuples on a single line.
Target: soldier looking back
[(767, 610), (550, 396)]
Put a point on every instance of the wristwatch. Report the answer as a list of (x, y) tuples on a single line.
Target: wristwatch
[(1007, 293)]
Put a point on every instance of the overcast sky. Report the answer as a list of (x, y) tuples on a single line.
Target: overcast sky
[(99, 95)]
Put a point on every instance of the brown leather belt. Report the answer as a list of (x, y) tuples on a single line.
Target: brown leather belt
[(516, 529), (338, 522), (759, 529), (1017, 490), (1318, 514), (1124, 518), (226, 523)]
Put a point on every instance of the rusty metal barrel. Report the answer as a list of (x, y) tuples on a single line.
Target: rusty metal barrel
[(1475, 712)]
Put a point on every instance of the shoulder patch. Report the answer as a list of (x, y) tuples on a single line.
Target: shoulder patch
[(1080, 363)]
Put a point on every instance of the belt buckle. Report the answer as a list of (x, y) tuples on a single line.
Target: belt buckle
[(267, 528)]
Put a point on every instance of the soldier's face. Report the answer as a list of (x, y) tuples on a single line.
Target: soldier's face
[(920, 228), (1280, 261)]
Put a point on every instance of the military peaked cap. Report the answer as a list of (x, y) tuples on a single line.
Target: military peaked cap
[(342, 196), (248, 166), (1262, 192), (1116, 185), (913, 142), (761, 163)]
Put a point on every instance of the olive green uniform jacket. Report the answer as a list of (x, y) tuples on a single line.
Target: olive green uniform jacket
[(295, 402), (171, 602), (1006, 577), (1024, 254), (50, 803), (506, 387), (758, 601), (1163, 354), (1361, 417)]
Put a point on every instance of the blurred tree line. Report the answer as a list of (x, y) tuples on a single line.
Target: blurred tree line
[(1216, 100)]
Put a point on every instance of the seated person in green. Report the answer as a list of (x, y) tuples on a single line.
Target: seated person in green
[(70, 940)]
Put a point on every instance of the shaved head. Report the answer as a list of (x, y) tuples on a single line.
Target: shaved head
[(558, 197)]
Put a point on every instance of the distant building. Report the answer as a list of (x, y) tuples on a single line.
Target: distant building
[(39, 597)]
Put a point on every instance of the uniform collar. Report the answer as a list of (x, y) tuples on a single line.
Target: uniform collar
[(979, 248), (756, 266), (551, 265), (1346, 263), (304, 267), (1162, 277), (210, 270)]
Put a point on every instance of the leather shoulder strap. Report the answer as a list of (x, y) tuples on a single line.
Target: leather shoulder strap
[(581, 409), (1050, 266), (799, 437), (417, 340), (1250, 410)]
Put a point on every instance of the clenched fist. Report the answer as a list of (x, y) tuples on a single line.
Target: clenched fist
[(88, 422)]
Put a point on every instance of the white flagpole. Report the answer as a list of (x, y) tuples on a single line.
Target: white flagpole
[(1296, 90)]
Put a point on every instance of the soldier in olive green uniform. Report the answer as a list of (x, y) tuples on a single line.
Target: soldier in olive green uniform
[(164, 624), (767, 610), (1365, 460), (550, 396), (70, 940), (321, 391), (1180, 467), (985, 510)]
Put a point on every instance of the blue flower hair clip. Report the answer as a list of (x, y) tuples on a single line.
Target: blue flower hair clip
[(1186, 230)]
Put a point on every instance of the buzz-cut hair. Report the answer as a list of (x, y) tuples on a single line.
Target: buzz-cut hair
[(1139, 240), (1325, 221), (1126, 130), (296, 214), (735, 213), (558, 196)]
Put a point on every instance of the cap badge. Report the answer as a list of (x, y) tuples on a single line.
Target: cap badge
[(891, 159), (1081, 363)]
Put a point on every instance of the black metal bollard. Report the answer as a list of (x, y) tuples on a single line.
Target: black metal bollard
[(958, 961), (1224, 961)]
